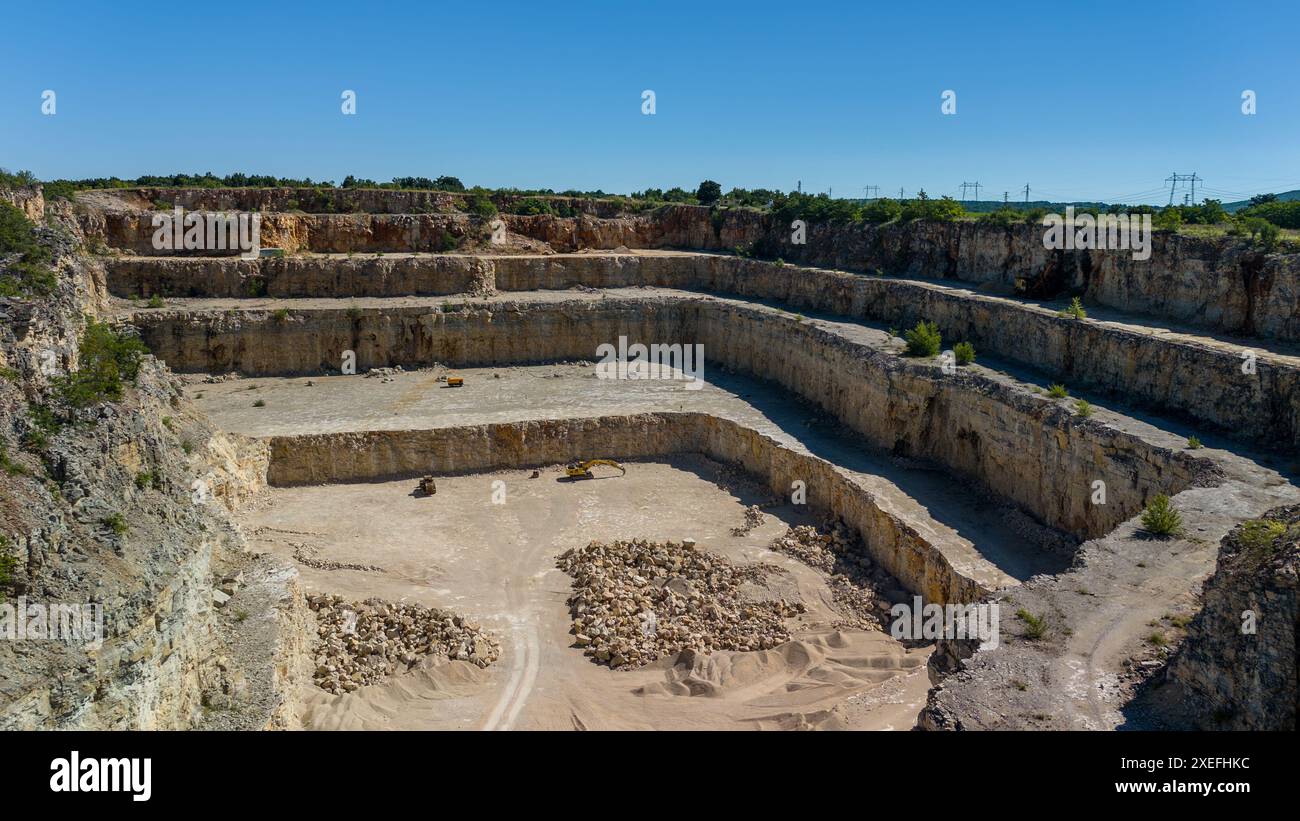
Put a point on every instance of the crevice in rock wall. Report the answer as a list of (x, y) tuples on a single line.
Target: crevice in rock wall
[(1255, 286)]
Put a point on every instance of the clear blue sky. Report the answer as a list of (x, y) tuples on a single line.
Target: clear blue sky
[(1081, 100)]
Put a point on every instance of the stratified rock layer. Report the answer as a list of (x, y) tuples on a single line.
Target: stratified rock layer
[(1237, 668)]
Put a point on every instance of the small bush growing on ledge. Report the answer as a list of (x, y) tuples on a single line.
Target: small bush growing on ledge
[(532, 206), (923, 340), (1003, 217), (8, 465), (964, 352), (1258, 535), (1035, 626), (1083, 408), (1161, 518), (1193, 443), (944, 209), (8, 566), (1075, 310), (481, 205), (30, 275), (108, 358), (116, 523), (1058, 391)]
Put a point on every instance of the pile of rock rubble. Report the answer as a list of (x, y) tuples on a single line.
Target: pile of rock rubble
[(637, 601), (753, 519), (361, 643), (862, 591)]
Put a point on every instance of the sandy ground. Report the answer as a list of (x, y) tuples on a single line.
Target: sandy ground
[(496, 563), (978, 535)]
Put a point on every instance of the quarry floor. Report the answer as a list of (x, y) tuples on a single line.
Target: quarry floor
[(496, 563), (1121, 585), (969, 527)]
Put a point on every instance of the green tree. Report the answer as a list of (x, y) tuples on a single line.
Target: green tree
[(882, 210), (923, 340), (709, 192), (107, 357), (1168, 219)]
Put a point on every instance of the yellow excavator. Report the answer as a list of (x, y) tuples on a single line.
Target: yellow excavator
[(582, 470)]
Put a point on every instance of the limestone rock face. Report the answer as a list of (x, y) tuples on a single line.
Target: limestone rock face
[(1232, 678), (29, 200), (124, 511), (1202, 380), (1225, 284), (1025, 446)]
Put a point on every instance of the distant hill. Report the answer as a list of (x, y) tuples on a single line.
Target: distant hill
[(1233, 207), (984, 206)]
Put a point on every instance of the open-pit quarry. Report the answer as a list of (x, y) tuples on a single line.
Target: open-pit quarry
[(772, 509)]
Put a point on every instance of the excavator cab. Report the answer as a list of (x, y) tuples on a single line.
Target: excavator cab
[(582, 470)]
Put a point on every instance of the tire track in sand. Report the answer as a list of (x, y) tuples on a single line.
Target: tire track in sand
[(525, 653)]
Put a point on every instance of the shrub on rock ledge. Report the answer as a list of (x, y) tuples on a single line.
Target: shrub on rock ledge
[(108, 358), (1161, 518), (923, 340)]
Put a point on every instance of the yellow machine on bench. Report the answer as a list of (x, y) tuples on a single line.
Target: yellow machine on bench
[(582, 470)]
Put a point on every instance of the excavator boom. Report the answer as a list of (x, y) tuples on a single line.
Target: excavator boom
[(582, 470)]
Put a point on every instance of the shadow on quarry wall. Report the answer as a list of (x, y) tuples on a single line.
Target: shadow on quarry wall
[(920, 564), (1024, 447)]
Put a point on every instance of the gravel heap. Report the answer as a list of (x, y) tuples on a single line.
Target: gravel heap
[(361, 643), (306, 554), (753, 518), (861, 590), (637, 601)]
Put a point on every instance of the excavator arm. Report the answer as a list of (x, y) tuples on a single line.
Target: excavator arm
[(582, 470)]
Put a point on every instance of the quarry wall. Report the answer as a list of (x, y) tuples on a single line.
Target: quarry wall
[(1202, 380), (1225, 284), (1025, 447), (369, 456), (1232, 678)]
